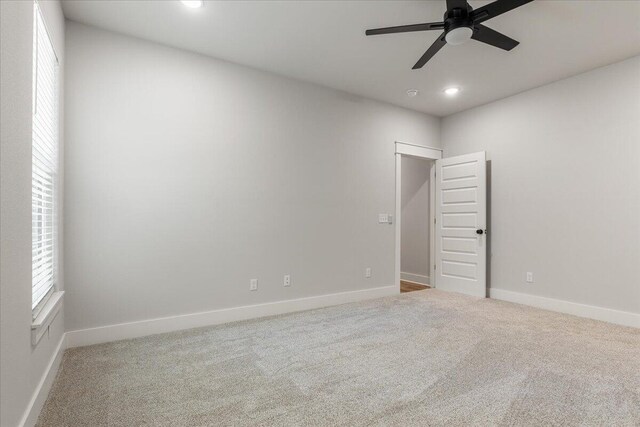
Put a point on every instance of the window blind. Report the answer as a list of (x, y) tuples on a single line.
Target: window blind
[(44, 163)]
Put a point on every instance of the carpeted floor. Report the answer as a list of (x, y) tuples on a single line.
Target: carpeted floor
[(426, 358)]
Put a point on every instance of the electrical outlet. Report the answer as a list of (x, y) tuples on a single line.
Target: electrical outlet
[(253, 285), (529, 277), (287, 280), (367, 272)]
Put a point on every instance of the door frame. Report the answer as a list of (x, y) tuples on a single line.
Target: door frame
[(421, 152)]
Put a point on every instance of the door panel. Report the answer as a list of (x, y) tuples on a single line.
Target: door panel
[(455, 196), (461, 210)]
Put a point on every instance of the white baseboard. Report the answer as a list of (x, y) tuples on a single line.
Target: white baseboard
[(623, 318), (41, 392), (122, 331), (416, 278)]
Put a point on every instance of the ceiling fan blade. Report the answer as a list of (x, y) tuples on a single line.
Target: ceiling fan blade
[(496, 8), (487, 35), (406, 28), (435, 47), (453, 4)]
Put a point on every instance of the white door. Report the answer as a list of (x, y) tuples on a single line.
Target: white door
[(461, 223)]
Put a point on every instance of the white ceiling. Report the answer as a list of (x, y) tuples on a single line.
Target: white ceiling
[(324, 42)]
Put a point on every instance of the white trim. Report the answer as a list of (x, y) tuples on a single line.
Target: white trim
[(415, 278), (432, 226), (142, 328), (46, 315), (418, 145), (42, 304), (42, 390), (418, 151), (398, 213), (624, 318)]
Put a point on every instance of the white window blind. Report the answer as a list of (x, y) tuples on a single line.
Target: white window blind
[(44, 163)]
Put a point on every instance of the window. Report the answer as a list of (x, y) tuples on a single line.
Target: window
[(44, 161)]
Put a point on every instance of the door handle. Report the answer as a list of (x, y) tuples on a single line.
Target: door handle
[(480, 231)]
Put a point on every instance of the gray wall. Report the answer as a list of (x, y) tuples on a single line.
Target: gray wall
[(414, 252), (21, 365), (565, 186), (188, 176)]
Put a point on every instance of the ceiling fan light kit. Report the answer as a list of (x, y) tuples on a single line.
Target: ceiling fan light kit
[(458, 35), (461, 23)]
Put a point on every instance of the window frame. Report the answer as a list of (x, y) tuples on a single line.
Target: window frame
[(38, 17)]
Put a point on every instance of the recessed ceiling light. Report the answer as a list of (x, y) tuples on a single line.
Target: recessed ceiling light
[(451, 91), (412, 93), (194, 4)]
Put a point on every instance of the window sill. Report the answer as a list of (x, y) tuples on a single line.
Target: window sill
[(41, 323)]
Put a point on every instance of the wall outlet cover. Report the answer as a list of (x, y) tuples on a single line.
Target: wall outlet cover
[(253, 285)]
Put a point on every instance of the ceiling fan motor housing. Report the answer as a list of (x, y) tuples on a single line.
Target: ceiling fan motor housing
[(458, 17)]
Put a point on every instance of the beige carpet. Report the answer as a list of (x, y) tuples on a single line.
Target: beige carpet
[(418, 359)]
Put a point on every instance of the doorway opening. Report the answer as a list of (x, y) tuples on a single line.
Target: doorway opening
[(415, 221), (415, 169)]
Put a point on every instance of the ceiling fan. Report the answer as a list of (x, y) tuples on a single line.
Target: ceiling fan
[(461, 23)]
